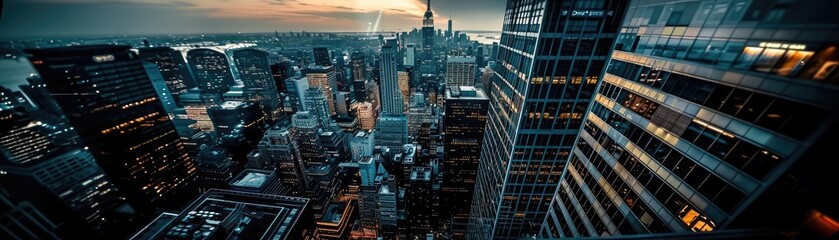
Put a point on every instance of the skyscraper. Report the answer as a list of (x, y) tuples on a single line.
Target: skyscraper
[(358, 66), (427, 65), (465, 120), (449, 31), (404, 79), (366, 116), (316, 103), (211, 70), (279, 149), (410, 58), (460, 71), (126, 128), (539, 96), (390, 94), (259, 83), (321, 55), (295, 90), (392, 131), (324, 78), (166, 97), (231, 115), (280, 72), (172, 67), (716, 128), (306, 131)]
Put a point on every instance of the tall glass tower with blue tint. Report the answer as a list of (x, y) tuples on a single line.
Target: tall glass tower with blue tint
[(710, 117), (551, 57)]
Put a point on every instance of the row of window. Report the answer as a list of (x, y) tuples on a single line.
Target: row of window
[(588, 211), (689, 215), (553, 115), (706, 183), (641, 210), (750, 158), (790, 118), (611, 210)]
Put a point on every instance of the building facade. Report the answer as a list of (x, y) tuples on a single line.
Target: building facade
[(551, 57), (211, 70), (708, 112), (260, 87), (460, 71)]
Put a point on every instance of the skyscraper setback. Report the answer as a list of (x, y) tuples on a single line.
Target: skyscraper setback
[(118, 116), (550, 63)]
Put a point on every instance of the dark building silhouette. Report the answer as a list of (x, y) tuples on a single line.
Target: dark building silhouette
[(464, 123), (321, 55), (172, 67), (259, 82), (108, 98), (211, 70)]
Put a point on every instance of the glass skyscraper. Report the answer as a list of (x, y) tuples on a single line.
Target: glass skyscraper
[(709, 117), (259, 84), (211, 70), (551, 57), (108, 98)]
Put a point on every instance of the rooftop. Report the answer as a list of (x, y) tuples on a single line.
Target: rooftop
[(466, 93), (334, 212), (461, 59), (222, 214), (252, 178)]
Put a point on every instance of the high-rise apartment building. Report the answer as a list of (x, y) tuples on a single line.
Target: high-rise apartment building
[(295, 89), (211, 70), (366, 116), (709, 118), (460, 71), (358, 66), (464, 123), (316, 103), (404, 79), (111, 103), (551, 57), (260, 87), (410, 57), (392, 131)]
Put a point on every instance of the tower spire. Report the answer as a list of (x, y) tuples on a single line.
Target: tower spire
[(428, 6)]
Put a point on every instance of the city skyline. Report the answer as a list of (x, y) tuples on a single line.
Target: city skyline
[(45, 18)]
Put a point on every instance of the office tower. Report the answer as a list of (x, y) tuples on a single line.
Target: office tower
[(260, 86), (427, 65), (195, 107), (215, 167), (232, 115), (449, 31), (479, 56), (486, 78), (172, 67), (37, 91), (280, 72), (211, 70), (160, 88), (428, 135), (306, 130), (324, 78), (493, 53), (295, 89), (418, 206), (321, 56), (359, 88), (410, 58), (125, 128), (334, 145), (390, 94), (690, 134), (419, 112), (316, 104), (362, 144), (368, 196), (460, 71), (358, 66), (67, 182), (537, 102), (366, 116), (225, 213), (404, 79), (392, 131), (343, 103), (373, 96), (278, 149), (388, 212), (464, 123)]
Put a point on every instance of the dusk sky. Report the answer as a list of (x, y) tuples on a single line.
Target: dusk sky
[(25, 18)]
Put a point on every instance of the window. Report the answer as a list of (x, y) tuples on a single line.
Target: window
[(735, 101), (767, 60), (754, 107)]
